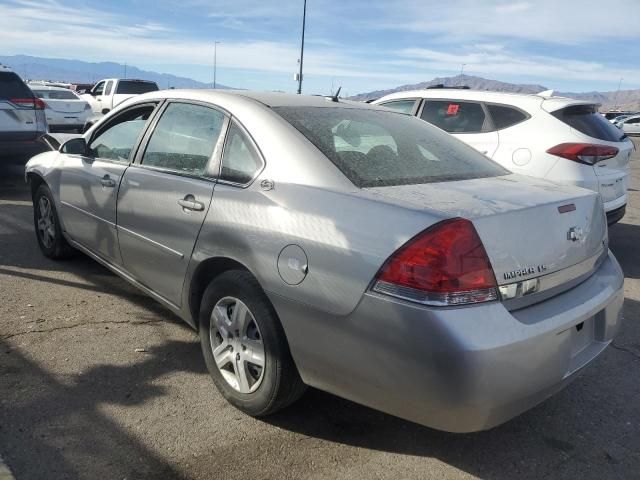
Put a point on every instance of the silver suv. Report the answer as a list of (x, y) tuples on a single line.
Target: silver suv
[(22, 118)]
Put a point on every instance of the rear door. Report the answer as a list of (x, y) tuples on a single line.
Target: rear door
[(466, 120), (164, 197), (18, 120), (89, 184)]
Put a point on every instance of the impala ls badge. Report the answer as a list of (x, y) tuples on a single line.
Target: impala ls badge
[(574, 234)]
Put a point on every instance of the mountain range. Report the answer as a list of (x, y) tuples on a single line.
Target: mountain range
[(622, 99), (77, 71)]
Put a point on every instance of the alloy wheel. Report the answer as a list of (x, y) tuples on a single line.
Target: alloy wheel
[(236, 344), (46, 222)]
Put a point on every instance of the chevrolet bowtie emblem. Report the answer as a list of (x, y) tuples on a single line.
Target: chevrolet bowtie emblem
[(574, 234)]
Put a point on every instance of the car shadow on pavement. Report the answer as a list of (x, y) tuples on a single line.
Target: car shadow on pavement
[(61, 424), (588, 430), (624, 242)]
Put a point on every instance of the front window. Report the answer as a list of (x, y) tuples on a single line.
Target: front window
[(376, 148), (117, 140)]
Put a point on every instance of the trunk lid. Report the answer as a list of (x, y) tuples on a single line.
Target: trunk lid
[(66, 106), (529, 227)]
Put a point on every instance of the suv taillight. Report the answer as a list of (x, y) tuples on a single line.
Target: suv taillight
[(34, 103), (586, 153), (444, 265)]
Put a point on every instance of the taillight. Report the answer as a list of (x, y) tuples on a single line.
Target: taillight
[(444, 265), (586, 153), (34, 103)]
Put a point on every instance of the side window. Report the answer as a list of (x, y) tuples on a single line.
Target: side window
[(504, 117), (118, 139), (633, 120), (108, 87), (98, 89), (453, 116), (240, 161), (184, 138), (404, 106)]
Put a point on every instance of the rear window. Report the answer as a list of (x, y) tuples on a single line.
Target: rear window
[(587, 120), (11, 86), (56, 94), (453, 116), (135, 88), (375, 148), (505, 117)]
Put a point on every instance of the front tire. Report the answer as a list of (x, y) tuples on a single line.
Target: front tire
[(245, 348), (47, 224)]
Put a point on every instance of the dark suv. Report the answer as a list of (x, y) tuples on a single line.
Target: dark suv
[(22, 119)]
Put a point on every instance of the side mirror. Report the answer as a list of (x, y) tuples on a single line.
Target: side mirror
[(75, 146)]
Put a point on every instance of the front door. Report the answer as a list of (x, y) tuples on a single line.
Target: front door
[(164, 197), (89, 184)]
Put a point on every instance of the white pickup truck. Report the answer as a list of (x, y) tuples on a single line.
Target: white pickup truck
[(107, 94)]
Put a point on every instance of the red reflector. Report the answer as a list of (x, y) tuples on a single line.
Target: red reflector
[(586, 153), (448, 260), (567, 208)]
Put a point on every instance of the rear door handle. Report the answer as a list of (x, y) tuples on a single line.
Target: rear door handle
[(107, 181), (189, 202)]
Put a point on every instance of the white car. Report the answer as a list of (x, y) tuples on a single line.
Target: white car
[(64, 109), (560, 139), (630, 125)]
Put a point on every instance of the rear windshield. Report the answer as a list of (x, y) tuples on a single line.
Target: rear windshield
[(375, 148), (136, 88), (11, 86), (587, 120), (56, 94)]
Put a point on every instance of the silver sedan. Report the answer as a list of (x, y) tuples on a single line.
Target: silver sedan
[(339, 245)]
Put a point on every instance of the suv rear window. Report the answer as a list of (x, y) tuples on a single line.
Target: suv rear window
[(505, 117), (453, 116), (135, 88), (375, 148), (587, 120), (11, 86)]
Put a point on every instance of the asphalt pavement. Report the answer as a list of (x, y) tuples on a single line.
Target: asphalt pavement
[(98, 381)]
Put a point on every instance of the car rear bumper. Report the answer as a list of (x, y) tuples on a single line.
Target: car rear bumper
[(456, 369), (615, 215), (20, 151)]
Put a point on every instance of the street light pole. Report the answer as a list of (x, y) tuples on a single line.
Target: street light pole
[(462, 70), (215, 52), (304, 18)]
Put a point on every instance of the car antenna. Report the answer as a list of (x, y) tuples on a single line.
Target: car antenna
[(334, 98)]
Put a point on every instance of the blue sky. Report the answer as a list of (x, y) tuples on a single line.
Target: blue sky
[(361, 45)]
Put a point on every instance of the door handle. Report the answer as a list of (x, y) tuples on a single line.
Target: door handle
[(189, 202), (107, 181)]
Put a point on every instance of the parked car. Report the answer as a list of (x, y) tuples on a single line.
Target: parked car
[(339, 245), (630, 125), (64, 109), (107, 94), (619, 118), (22, 119), (543, 136), (613, 114)]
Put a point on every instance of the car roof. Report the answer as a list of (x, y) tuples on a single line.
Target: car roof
[(522, 100), (269, 99)]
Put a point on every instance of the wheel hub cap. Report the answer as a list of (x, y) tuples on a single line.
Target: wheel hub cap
[(46, 223), (236, 345)]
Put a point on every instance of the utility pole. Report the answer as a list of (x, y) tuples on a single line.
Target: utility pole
[(304, 18), (618, 93), (215, 53), (461, 71), (125, 70)]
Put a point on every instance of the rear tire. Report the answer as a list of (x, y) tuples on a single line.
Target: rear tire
[(47, 225), (245, 348)]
